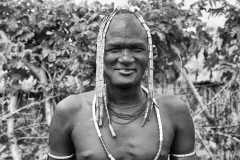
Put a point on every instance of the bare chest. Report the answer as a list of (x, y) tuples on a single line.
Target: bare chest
[(132, 142)]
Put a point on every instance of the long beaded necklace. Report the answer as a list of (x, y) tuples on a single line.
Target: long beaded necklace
[(99, 72), (100, 135), (99, 102)]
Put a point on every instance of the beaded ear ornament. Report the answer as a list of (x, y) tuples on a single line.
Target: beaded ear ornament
[(100, 86)]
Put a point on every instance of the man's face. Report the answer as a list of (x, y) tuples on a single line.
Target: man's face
[(126, 47)]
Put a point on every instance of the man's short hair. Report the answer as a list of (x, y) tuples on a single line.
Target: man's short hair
[(121, 11)]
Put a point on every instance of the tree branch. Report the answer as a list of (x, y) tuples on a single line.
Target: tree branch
[(63, 74), (226, 135), (24, 107), (218, 94), (39, 72), (10, 128), (210, 119), (205, 145)]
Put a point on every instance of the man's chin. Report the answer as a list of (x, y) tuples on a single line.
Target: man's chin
[(125, 85)]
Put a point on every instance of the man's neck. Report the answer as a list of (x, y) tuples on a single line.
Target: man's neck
[(124, 96)]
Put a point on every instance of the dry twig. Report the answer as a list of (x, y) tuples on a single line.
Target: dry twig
[(205, 145), (24, 107)]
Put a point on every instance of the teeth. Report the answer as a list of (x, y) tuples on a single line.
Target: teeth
[(126, 70)]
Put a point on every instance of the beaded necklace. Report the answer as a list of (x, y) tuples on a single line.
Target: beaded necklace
[(101, 138), (109, 104), (129, 117), (123, 116)]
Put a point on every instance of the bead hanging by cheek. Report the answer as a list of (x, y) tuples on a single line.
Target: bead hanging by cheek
[(99, 76), (108, 116), (150, 70), (100, 95)]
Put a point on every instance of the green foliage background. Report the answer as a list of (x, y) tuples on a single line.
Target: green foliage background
[(47, 52)]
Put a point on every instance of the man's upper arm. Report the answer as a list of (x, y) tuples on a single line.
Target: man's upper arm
[(60, 131), (184, 140)]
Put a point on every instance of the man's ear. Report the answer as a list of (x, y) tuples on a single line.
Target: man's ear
[(146, 71)]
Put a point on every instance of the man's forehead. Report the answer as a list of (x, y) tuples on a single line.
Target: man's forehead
[(125, 16), (126, 24), (128, 18)]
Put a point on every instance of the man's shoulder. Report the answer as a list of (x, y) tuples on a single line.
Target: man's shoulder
[(73, 103), (172, 103), (176, 109)]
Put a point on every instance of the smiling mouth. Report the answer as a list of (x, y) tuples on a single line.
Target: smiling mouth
[(125, 71)]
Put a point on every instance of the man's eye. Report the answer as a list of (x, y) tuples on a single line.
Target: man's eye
[(114, 50), (137, 50)]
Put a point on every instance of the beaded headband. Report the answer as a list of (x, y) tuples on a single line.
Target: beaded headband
[(100, 85)]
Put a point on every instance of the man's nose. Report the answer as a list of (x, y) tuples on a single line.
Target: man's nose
[(126, 57)]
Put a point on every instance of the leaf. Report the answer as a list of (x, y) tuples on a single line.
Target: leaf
[(232, 49), (193, 48), (210, 2), (152, 15), (199, 12), (4, 42), (20, 64), (183, 45), (94, 27), (13, 25), (51, 57), (49, 33), (93, 17), (211, 49), (19, 32), (45, 52), (3, 61), (75, 18), (44, 23), (227, 75), (161, 36), (20, 47), (3, 46), (24, 34), (211, 61), (13, 48), (176, 50)]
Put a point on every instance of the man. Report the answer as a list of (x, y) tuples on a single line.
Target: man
[(122, 120)]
